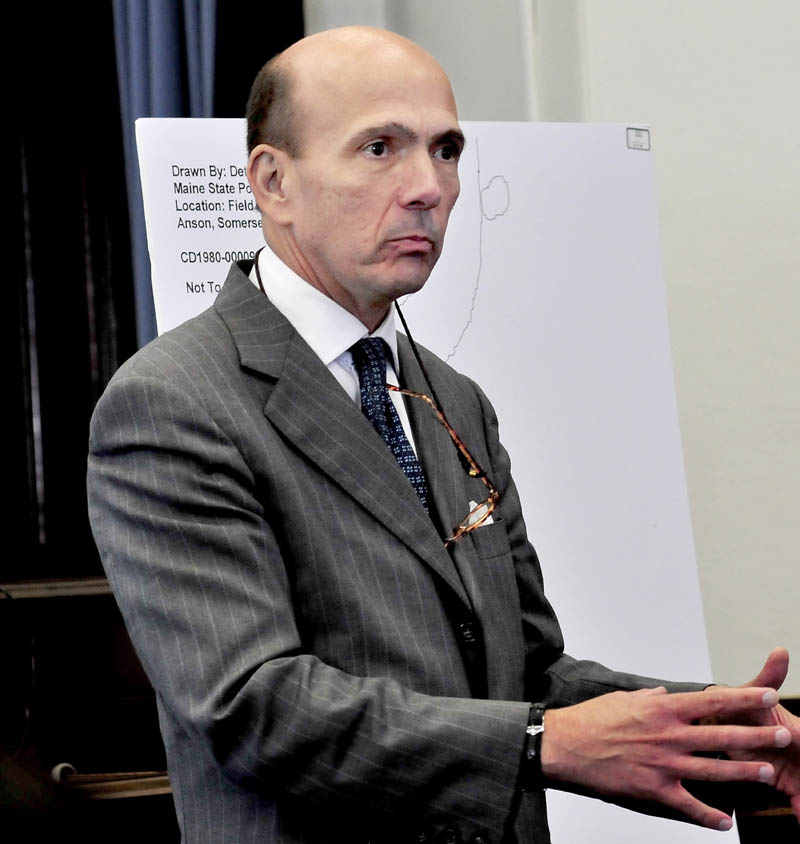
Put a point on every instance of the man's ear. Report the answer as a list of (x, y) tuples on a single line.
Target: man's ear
[(267, 169)]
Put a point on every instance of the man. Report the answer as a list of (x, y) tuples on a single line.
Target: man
[(342, 616)]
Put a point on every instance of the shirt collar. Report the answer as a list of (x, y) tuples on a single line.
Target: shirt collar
[(327, 327)]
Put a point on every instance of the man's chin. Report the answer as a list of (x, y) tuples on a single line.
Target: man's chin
[(410, 274), (406, 287)]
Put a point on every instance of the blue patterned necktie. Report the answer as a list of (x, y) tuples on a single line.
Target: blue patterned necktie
[(369, 357)]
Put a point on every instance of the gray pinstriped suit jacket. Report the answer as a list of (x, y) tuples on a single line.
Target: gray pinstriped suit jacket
[(294, 605)]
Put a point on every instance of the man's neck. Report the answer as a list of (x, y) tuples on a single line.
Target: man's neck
[(285, 247)]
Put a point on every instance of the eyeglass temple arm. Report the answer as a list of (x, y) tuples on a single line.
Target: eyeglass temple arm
[(468, 462)]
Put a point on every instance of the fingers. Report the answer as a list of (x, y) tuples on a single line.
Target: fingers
[(724, 770), (796, 806), (732, 738), (640, 744), (721, 702), (774, 670), (699, 812)]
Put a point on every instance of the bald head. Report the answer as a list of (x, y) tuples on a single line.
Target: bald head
[(325, 68), (270, 114), (354, 147)]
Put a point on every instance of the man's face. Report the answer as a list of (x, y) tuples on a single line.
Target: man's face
[(373, 187)]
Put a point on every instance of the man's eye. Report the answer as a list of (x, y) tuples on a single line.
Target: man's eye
[(376, 148), (449, 152)]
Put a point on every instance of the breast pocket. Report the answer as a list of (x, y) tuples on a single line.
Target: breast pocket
[(490, 540)]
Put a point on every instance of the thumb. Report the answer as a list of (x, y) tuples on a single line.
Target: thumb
[(774, 670)]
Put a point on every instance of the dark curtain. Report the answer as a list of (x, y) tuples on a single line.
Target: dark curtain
[(165, 62), (71, 318), (248, 35), (72, 687), (187, 58)]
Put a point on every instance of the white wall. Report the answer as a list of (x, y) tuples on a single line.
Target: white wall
[(717, 81), (480, 44)]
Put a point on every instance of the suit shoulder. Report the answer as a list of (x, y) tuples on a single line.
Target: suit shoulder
[(434, 365), (443, 375), (182, 349), (177, 354)]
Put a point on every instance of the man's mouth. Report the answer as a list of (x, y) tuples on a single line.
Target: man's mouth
[(413, 242)]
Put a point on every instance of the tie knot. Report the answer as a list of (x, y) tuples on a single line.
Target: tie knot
[(369, 358)]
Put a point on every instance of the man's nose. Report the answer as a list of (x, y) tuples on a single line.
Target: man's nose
[(421, 186)]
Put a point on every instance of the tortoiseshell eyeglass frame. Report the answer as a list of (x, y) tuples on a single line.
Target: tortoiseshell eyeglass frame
[(481, 512)]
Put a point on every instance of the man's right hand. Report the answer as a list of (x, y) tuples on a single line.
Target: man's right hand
[(640, 745)]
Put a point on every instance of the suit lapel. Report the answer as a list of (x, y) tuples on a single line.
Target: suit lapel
[(312, 411), (449, 486), (434, 446)]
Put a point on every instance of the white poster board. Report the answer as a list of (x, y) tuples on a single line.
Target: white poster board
[(549, 293)]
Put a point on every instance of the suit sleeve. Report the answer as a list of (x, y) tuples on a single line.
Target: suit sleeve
[(200, 578)]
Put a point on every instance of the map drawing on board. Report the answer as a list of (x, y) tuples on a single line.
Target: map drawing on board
[(494, 200)]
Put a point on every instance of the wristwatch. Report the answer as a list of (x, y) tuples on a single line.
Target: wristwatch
[(532, 778)]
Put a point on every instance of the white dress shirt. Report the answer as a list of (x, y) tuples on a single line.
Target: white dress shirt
[(328, 328)]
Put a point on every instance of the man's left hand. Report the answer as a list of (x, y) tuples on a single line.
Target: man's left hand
[(786, 761)]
